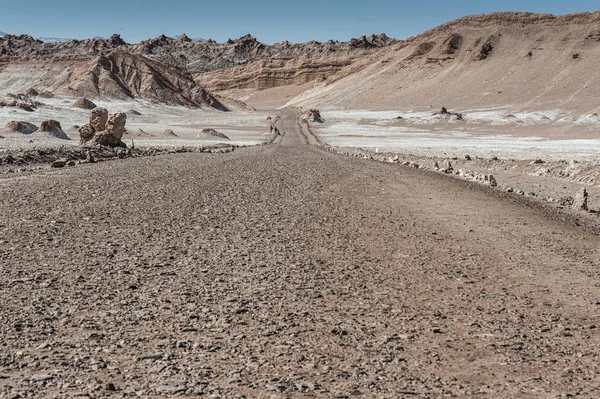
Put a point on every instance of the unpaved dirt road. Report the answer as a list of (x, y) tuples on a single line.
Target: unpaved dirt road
[(286, 271)]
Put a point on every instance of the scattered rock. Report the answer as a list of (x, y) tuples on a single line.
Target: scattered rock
[(84, 103), (90, 157), (169, 390), (566, 201), (110, 387), (42, 377), (59, 163), (21, 127), (153, 356), (312, 115), (448, 166), (46, 94), (133, 112), (580, 202), (53, 128), (170, 133), (25, 107), (214, 133)]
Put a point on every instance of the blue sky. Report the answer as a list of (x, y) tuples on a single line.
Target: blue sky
[(268, 20)]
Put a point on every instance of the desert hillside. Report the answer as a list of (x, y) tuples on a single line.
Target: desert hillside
[(241, 63), (517, 60)]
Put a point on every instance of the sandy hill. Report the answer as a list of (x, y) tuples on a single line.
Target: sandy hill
[(520, 60)]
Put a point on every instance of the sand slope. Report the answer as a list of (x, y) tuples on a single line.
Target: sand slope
[(521, 60)]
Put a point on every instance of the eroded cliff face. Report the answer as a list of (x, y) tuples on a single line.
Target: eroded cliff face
[(277, 72), (241, 63)]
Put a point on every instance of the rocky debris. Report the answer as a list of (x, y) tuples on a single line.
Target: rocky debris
[(170, 390), (133, 112), (169, 133), (213, 133), (447, 114), (84, 103), (28, 106), (115, 41), (21, 127), (53, 129), (448, 166), (32, 92), (184, 38), (486, 49), (371, 42), (580, 202), (70, 154), (46, 94), (59, 163), (312, 115), (42, 377), (104, 129), (453, 43)]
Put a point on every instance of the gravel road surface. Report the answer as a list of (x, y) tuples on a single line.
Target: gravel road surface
[(286, 271)]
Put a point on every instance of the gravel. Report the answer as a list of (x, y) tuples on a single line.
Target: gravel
[(289, 271)]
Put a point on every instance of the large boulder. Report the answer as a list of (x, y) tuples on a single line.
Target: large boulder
[(104, 129), (84, 103), (21, 127), (98, 119), (53, 128)]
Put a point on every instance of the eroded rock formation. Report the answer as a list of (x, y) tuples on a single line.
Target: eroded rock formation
[(104, 129)]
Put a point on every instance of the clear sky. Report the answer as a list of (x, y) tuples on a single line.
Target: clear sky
[(268, 20)]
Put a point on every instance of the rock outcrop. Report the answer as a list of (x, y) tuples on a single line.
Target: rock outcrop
[(260, 65), (21, 127), (312, 115), (84, 103), (53, 128), (124, 76), (580, 202), (104, 129), (169, 133), (214, 133)]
